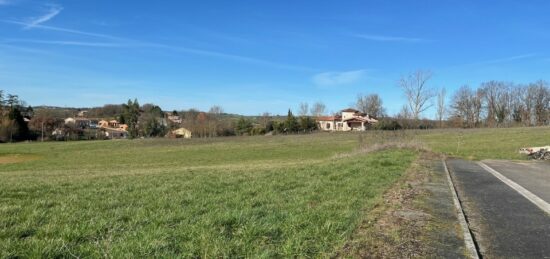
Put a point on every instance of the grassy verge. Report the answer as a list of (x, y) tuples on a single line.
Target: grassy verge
[(254, 197), (415, 219)]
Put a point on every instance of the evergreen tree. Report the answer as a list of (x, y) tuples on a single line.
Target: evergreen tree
[(291, 124), (131, 117), (244, 126)]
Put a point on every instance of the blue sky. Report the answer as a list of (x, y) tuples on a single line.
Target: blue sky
[(256, 56)]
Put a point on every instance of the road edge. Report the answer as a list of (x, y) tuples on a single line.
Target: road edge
[(467, 234)]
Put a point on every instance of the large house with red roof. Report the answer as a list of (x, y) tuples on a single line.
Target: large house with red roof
[(348, 120)]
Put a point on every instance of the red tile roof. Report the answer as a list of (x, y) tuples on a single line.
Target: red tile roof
[(326, 118), (350, 110)]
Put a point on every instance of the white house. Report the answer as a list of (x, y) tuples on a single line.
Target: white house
[(70, 120), (113, 133), (348, 120), (181, 133)]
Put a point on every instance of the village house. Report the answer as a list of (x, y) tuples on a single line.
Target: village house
[(113, 124), (110, 129), (103, 124), (175, 118), (82, 123), (115, 133), (82, 113), (180, 133), (70, 121), (348, 120)]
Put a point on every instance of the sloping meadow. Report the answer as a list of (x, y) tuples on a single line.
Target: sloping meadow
[(256, 197)]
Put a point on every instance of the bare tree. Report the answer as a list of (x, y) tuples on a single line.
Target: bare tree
[(404, 117), (463, 105), (441, 106), (477, 106), (541, 102), (417, 91), (318, 109), (529, 97), (216, 110), (497, 98), (517, 105), (304, 109), (371, 105), (214, 120), (265, 118)]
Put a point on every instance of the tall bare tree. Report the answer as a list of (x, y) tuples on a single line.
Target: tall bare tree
[(517, 106), (214, 120), (304, 109), (370, 104), (441, 109), (497, 98), (529, 97), (477, 106), (318, 109), (418, 93), (463, 105), (541, 102)]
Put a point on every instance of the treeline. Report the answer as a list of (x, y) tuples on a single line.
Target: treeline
[(497, 103), (267, 124), (492, 104)]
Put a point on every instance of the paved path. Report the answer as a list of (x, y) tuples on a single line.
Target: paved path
[(505, 223)]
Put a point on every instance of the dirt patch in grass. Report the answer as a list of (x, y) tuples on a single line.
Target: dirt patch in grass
[(17, 158)]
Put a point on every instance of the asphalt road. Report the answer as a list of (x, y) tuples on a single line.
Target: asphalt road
[(505, 224), (533, 176)]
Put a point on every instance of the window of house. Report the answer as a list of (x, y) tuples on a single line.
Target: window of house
[(328, 125)]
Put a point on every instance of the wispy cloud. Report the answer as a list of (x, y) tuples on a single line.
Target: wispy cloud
[(66, 30), (126, 42), (338, 78), (505, 59), (53, 11), (386, 38), (234, 57), (493, 61), (66, 43)]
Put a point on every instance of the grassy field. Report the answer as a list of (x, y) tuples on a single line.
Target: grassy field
[(257, 196), (250, 196), (477, 144)]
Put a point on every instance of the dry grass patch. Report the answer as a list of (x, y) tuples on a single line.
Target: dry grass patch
[(17, 158)]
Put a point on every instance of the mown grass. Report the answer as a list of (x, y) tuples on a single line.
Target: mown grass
[(284, 196)]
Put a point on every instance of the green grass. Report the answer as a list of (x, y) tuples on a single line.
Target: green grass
[(255, 197), (280, 196), (477, 144)]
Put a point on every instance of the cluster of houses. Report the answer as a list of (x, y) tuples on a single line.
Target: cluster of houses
[(346, 120), (113, 129)]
